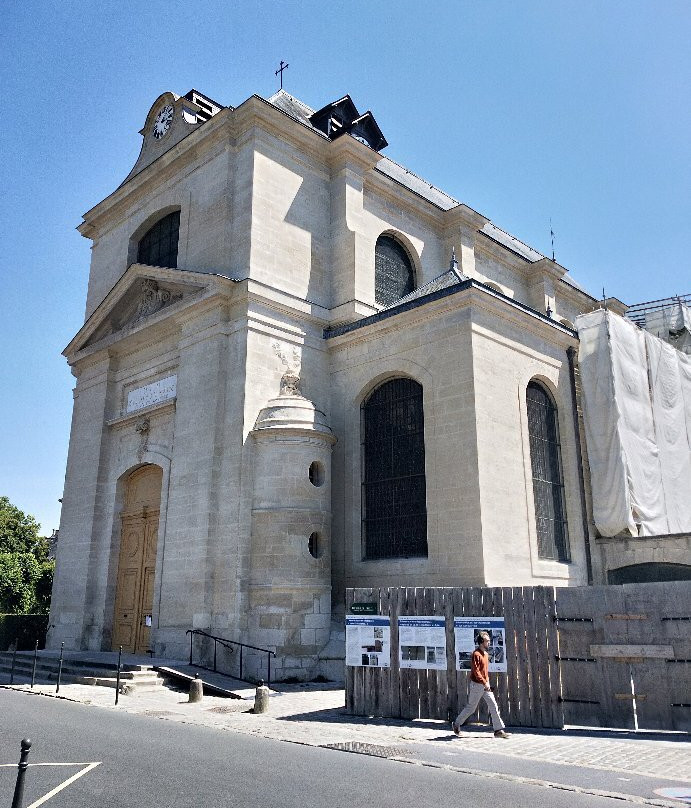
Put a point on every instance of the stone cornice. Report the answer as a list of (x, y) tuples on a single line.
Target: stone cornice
[(464, 216), (651, 540), (460, 296), (257, 111), (256, 291), (145, 412), (505, 255), (345, 150), (576, 296), (203, 286), (188, 148), (402, 196), (289, 433), (545, 267)]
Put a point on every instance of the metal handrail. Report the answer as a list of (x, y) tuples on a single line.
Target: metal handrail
[(227, 644)]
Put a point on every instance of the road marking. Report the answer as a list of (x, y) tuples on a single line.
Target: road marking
[(57, 789), (89, 767)]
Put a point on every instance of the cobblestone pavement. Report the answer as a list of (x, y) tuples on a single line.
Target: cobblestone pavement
[(314, 715)]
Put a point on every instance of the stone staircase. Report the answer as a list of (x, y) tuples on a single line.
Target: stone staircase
[(134, 678)]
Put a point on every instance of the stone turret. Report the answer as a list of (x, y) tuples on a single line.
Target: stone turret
[(290, 578)]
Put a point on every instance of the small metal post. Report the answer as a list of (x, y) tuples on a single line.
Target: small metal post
[(33, 671), (22, 766), (57, 688), (240, 662), (215, 647), (14, 656), (117, 681), (191, 636), (268, 678)]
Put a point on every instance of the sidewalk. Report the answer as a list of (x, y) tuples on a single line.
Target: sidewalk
[(636, 767)]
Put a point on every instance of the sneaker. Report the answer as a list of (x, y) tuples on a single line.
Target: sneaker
[(501, 734), (456, 729)]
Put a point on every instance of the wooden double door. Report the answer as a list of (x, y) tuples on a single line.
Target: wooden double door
[(134, 595)]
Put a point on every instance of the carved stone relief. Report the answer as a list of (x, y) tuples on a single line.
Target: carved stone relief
[(152, 299), (142, 428), (292, 361)]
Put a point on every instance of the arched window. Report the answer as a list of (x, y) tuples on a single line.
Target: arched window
[(159, 245), (394, 509), (394, 275), (548, 480)]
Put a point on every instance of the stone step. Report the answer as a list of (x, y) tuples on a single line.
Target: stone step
[(43, 676), (44, 668), (139, 678), (91, 664), (51, 679)]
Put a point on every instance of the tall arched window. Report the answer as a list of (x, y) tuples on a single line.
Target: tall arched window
[(394, 275), (548, 479), (394, 509), (159, 245)]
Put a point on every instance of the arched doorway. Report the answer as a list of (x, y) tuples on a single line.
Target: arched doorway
[(134, 594)]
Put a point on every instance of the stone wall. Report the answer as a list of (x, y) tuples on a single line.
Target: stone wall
[(619, 552)]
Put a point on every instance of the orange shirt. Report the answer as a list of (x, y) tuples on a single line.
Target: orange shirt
[(479, 671)]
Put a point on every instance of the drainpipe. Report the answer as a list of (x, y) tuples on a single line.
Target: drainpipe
[(571, 354)]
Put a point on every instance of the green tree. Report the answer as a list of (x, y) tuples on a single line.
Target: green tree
[(26, 572), (18, 530)]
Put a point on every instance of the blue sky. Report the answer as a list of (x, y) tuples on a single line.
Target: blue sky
[(578, 111)]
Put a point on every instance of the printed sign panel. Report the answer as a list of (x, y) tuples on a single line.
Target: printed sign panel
[(368, 641), (465, 631), (422, 642)]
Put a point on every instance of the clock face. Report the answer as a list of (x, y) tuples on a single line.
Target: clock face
[(163, 121)]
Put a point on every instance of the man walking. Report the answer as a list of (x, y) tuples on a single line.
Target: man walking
[(479, 688)]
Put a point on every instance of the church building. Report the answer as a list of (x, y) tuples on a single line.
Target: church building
[(304, 368)]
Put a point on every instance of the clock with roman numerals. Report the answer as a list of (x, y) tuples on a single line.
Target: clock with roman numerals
[(163, 121)]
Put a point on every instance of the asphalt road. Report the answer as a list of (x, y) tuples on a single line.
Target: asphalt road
[(152, 762)]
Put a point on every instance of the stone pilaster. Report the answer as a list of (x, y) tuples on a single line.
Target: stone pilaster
[(70, 610)]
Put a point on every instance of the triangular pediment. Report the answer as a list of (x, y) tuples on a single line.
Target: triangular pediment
[(143, 294)]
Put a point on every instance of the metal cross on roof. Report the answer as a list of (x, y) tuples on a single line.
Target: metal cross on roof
[(280, 70)]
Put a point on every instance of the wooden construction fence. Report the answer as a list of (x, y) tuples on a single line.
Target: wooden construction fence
[(625, 655), (528, 695), (615, 656)]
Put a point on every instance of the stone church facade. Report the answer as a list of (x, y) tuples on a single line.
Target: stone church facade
[(304, 368)]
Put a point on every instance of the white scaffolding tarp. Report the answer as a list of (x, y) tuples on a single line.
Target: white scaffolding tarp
[(672, 324), (637, 413)]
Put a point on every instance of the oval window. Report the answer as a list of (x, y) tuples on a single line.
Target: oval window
[(316, 474), (314, 544)]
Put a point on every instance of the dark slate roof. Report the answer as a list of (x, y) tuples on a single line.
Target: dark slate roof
[(421, 187), (293, 107), (451, 277), (507, 240)]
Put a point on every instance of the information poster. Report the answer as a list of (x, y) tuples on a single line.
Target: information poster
[(368, 641), (422, 642), (466, 629)]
